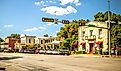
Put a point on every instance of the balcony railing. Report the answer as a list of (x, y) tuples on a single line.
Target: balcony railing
[(90, 37)]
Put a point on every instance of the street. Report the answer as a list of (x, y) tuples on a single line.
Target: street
[(38, 62)]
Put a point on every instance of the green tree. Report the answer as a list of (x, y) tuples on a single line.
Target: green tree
[(104, 17), (70, 32), (1, 40), (17, 36), (46, 35), (116, 35), (36, 45)]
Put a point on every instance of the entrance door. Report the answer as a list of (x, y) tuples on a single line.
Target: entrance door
[(91, 47)]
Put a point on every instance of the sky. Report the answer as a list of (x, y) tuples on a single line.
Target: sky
[(25, 16)]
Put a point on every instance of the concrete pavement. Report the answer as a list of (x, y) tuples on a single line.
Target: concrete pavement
[(37, 62)]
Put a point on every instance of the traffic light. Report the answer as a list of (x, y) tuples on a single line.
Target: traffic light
[(65, 21), (47, 19), (55, 21)]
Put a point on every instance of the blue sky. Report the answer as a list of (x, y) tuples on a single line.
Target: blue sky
[(24, 16)]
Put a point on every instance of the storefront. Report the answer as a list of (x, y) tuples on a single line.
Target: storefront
[(83, 44), (99, 46)]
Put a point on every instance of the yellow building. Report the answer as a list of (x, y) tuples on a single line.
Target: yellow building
[(93, 38)]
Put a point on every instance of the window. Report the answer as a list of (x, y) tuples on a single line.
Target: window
[(29, 40), (83, 34), (41, 41), (100, 32), (91, 31)]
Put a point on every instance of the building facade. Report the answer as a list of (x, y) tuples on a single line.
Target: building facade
[(27, 40), (45, 42), (91, 38), (11, 42), (41, 42)]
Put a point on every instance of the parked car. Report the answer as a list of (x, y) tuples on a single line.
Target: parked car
[(42, 51), (64, 51), (21, 51), (55, 52), (31, 51), (8, 50), (1, 49), (49, 52)]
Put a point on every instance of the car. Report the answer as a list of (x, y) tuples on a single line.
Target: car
[(1, 49), (49, 52), (8, 50), (21, 51), (55, 52), (31, 51), (64, 51), (42, 51)]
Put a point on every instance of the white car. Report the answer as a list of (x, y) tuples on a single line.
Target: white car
[(55, 52), (48, 52), (42, 51)]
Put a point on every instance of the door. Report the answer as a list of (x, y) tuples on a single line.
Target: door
[(91, 47)]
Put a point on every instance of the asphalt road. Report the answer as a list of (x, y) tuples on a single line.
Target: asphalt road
[(37, 62)]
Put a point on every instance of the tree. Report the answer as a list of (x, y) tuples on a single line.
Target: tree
[(104, 17), (70, 32), (116, 36), (1, 40), (17, 36), (46, 35)]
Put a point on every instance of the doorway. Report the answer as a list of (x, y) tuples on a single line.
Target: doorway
[(91, 47)]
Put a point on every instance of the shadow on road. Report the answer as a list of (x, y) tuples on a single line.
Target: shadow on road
[(9, 58), (2, 68)]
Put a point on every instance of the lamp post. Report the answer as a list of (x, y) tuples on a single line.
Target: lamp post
[(109, 27)]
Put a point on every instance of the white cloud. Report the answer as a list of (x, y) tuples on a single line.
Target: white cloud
[(64, 2), (40, 3), (77, 4), (35, 29), (57, 31), (50, 1), (7, 26), (54, 10), (37, 3)]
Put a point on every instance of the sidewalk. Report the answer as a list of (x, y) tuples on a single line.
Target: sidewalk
[(93, 55), (86, 55)]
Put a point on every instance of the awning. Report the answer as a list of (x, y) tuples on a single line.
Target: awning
[(83, 43), (75, 43), (99, 42)]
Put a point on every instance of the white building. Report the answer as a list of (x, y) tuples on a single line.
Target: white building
[(93, 38)]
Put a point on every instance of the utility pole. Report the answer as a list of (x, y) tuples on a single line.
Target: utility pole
[(109, 28)]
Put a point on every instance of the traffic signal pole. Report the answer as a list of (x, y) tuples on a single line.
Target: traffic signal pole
[(54, 20), (109, 27)]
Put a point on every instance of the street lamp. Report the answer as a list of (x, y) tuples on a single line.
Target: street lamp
[(109, 27)]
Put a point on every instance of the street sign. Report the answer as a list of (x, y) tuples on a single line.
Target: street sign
[(47, 19), (65, 21), (55, 21)]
